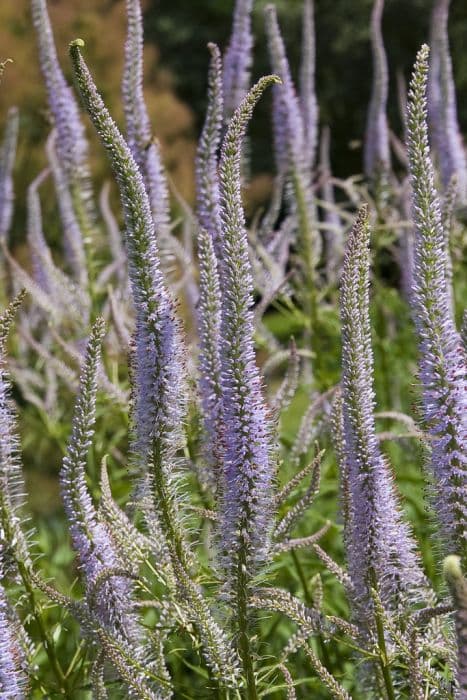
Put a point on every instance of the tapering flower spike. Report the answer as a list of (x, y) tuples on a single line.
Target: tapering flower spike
[(333, 234), (458, 586), (13, 679), (308, 101), (71, 144), (238, 58), (91, 540), (290, 144), (39, 251), (248, 471), (246, 515), (288, 102), (7, 160), (158, 376), (158, 354), (13, 542), (210, 381), (73, 244), (442, 108), (68, 298), (377, 159), (380, 549), (207, 179), (442, 357), (143, 146)]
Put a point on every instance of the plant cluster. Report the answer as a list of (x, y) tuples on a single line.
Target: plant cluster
[(191, 582)]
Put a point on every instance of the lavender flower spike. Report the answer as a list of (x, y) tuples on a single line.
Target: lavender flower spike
[(143, 146), (442, 357), (380, 549), (13, 680), (377, 159), (73, 243), (308, 101), (290, 143), (238, 58), (71, 142), (248, 470), (289, 104), (90, 538), (209, 331), (7, 159), (158, 372), (207, 179), (442, 107), (333, 232), (13, 542), (159, 385)]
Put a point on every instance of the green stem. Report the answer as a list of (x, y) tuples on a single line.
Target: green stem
[(383, 656), (46, 640), (309, 282), (309, 601), (243, 627)]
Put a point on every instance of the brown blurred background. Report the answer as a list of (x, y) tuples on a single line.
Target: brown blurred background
[(177, 32)]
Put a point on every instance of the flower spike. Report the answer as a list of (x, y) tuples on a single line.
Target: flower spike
[(238, 58), (380, 549), (209, 330), (308, 101), (71, 144), (248, 471), (442, 108), (207, 179), (13, 679), (90, 538), (7, 159), (143, 146), (442, 357), (377, 160)]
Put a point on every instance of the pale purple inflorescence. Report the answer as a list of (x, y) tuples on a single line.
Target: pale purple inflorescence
[(308, 101), (333, 231), (72, 238), (380, 549), (71, 140), (143, 146), (13, 680), (11, 478), (159, 396), (210, 380), (289, 126), (442, 108), (238, 58), (7, 159), (376, 151), (442, 357), (207, 178), (248, 471), (91, 540), (71, 170)]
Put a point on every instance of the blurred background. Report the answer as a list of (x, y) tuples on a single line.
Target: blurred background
[(177, 32)]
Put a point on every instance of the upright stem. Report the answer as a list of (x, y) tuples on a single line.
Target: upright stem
[(243, 627), (46, 640), (309, 602), (306, 243), (383, 656)]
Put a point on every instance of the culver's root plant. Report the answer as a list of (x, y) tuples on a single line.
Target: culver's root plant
[(257, 499)]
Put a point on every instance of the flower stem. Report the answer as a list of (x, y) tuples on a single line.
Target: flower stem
[(244, 648), (383, 656)]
